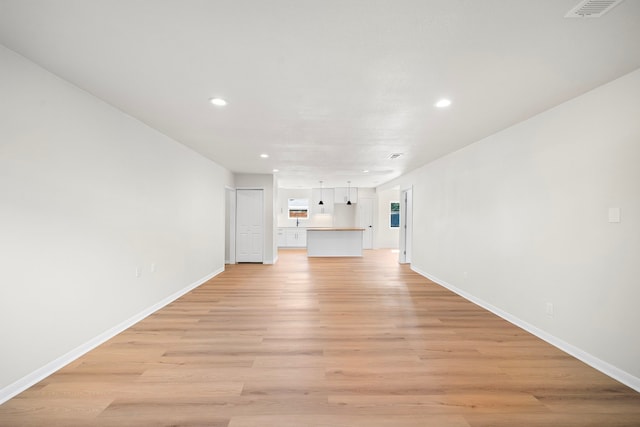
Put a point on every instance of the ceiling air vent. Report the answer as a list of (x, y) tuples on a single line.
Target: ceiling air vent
[(592, 8), (395, 155)]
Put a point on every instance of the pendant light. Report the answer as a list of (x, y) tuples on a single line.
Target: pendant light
[(349, 193), (321, 202)]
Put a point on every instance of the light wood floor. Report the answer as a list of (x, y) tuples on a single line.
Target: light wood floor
[(325, 342)]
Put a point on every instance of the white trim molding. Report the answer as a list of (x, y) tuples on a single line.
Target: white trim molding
[(41, 373), (596, 363)]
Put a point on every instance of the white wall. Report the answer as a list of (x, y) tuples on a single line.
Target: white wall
[(387, 237), (344, 216), (520, 219), (87, 195)]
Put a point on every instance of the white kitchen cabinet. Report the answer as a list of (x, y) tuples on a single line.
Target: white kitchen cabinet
[(344, 194), (297, 238), (335, 242), (292, 237), (327, 198), (282, 237)]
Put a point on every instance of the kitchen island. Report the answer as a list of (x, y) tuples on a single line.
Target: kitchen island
[(334, 242)]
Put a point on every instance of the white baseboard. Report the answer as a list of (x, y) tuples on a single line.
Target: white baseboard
[(41, 373), (602, 366)]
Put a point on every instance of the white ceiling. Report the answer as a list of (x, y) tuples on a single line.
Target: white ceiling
[(328, 88)]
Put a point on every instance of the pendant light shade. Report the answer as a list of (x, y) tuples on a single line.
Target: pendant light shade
[(349, 193), (321, 202)]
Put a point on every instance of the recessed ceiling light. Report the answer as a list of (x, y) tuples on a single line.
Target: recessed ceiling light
[(443, 103), (276, 170), (264, 156), (218, 102), (365, 171)]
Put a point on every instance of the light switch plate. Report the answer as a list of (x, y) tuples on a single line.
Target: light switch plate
[(614, 214)]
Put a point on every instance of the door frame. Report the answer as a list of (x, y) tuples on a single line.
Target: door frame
[(230, 222), (406, 225)]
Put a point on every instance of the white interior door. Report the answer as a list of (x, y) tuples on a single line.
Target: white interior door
[(365, 220), (249, 226)]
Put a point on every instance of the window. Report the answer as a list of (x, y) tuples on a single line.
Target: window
[(394, 214), (298, 208)]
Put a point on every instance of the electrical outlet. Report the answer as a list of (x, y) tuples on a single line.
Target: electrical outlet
[(153, 267), (137, 271), (549, 309)]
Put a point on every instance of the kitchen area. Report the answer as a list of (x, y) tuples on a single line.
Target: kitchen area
[(328, 222), (293, 218)]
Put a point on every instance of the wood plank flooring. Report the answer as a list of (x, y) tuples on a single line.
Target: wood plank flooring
[(324, 342)]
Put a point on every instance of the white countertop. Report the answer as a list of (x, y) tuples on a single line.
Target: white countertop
[(335, 229)]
